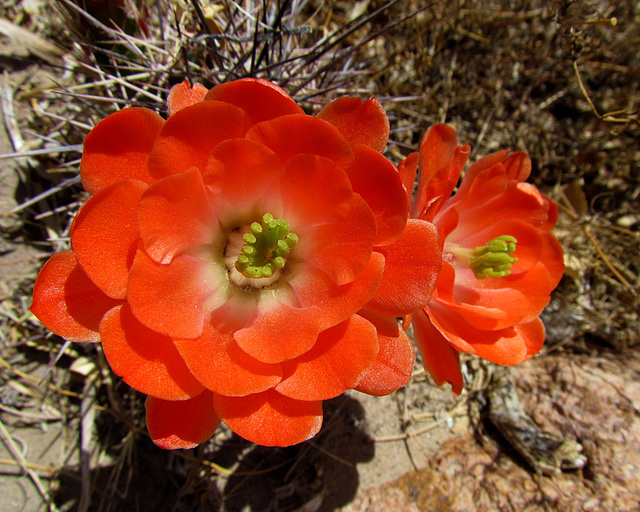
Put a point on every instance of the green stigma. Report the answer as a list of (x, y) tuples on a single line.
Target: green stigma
[(265, 248), (494, 259)]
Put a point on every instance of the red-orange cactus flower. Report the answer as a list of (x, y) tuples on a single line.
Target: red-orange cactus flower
[(240, 261), (500, 260)]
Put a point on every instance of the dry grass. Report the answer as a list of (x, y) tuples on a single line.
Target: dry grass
[(556, 79)]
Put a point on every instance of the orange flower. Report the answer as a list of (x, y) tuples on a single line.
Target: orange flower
[(500, 260), (240, 261)]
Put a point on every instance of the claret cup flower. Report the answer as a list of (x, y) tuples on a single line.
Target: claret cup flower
[(500, 260), (242, 261)]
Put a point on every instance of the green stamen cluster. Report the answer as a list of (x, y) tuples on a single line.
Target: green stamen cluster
[(494, 259), (266, 248)]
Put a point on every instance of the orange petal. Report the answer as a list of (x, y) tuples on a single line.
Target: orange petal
[(104, 235), (339, 359), (411, 270), (363, 122), (289, 136), (490, 309), (503, 346), (518, 202), (314, 191), (385, 325), (407, 170), (313, 288), (269, 418), (118, 148), (438, 357), (379, 183), (507, 346), (518, 166), (435, 194), (437, 151), (552, 256), (480, 166), (181, 423), (552, 215), (170, 299), (184, 95), (222, 366), (532, 334), (343, 248), (67, 302), (175, 214), (392, 368), (146, 361), (188, 137), (487, 188), (240, 173), (279, 332), (536, 285), (259, 98)]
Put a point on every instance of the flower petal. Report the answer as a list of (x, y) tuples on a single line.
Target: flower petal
[(478, 167), (553, 258), (440, 161), (363, 122), (434, 194), (146, 361), (67, 302), (313, 287), (184, 95), (343, 248), (411, 270), (289, 136), (170, 298), (240, 174), (104, 235), (490, 309), (221, 365), (279, 332), (259, 98), (518, 166), (314, 191), (438, 357), (188, 137), (407, 170), (519, 201), (379, 183), (392, 368), (118, 148), (339, 359), (503, 346), (181, 423), (536, 285), (507, 346), (532, 334), (175, 213), (269, 418)]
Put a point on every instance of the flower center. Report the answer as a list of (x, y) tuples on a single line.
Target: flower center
[(494, 258), (491, 260), (266, 247)]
